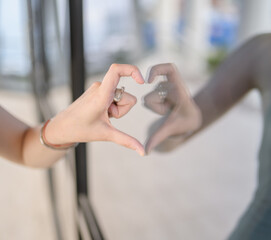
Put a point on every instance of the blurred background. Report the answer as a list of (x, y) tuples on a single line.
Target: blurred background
[(198, 191)]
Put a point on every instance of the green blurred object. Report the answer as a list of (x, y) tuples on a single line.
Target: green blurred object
[(216, 58)]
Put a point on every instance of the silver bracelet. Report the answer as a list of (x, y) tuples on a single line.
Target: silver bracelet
[(45, 142)]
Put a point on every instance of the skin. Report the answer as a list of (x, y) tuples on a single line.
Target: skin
[(85, 120), (180, 113), (88, 118), (245, 69)]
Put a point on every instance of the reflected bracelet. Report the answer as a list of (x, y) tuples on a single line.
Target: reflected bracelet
[(45, 142)]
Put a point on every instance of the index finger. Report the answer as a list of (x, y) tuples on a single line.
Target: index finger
[(169, 70), (164, 69), (115, 72)]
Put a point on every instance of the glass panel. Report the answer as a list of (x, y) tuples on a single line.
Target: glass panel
[(208, 178)]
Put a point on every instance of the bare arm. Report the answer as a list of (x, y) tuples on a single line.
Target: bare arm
[(20, 143), (234, 78), (85, 120)]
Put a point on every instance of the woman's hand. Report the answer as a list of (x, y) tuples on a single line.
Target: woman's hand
[(87, 119), (172, 100)]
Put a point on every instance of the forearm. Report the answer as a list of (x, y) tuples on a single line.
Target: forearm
[(231, 82)]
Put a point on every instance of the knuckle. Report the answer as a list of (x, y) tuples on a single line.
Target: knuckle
[(154, 70), (172, 67), (134, 71), (96, 84), (135, 68), (128, 144), (114, 67)]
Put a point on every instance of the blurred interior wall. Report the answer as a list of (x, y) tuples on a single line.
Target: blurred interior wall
[(167, 14), (197, 25), (255, 18)]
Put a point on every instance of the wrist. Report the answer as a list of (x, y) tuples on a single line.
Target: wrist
[(47, 138)]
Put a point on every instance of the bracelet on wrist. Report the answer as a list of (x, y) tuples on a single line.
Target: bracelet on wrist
[(45, 142)]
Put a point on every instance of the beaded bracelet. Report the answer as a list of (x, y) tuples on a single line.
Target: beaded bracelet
[(45, 142)]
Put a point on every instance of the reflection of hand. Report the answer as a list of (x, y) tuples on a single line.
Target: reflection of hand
[(171, 99), (87, 119)]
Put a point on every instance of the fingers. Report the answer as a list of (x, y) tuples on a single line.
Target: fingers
[(160, 133), (119, 109), (173, 76), (174, 124), (125, 104), (165, 69), (125, 140), (153, 102), (115, 72), (113, 110)]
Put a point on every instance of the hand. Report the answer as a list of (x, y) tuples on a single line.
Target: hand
[(87, 119), (172, 100)]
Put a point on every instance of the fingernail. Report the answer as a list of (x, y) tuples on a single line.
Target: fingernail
[(141, 152)]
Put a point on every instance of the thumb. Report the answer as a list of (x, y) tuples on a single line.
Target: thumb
[(126, 140), (158, 133), (162, 129)]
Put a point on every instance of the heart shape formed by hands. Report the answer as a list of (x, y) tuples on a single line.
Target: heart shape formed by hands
[(171, 99), (88, 118)]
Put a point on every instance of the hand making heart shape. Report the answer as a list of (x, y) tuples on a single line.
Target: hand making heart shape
[(88, 118), (172, 100)]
